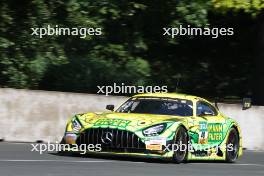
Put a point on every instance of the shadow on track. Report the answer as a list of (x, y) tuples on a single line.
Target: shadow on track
[(130, 158)]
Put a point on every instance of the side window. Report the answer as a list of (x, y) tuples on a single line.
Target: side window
[(204, 109)]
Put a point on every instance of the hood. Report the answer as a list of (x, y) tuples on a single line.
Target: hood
[(130, 121)]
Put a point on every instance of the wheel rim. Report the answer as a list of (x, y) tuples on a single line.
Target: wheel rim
[(233, 140), (180, 139)]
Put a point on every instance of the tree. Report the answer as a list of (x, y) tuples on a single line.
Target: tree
[(132, 48), (256, 9), (24, 58), (258, 84)]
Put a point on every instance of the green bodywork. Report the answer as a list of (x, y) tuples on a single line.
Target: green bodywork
[(203, 131)]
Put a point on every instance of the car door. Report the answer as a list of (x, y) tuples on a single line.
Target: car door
[(211, 123)]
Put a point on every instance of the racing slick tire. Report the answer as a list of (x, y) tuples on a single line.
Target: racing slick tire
[(181, 141), (232, 146)]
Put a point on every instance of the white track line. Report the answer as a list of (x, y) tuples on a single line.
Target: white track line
[(227, 164), (64, 161), (80, 161)]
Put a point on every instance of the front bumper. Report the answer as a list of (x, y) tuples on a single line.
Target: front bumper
[(125, 143)]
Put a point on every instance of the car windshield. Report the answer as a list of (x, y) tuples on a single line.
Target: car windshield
[(161, 106)]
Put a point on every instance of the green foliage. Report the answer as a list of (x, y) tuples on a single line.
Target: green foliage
[(99, 67), (250, 6), (24, 58), (132, 49)]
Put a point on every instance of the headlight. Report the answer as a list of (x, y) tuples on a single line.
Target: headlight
[(154, 130), (76, 126)]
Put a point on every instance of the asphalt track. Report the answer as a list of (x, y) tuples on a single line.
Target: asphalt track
[(17, 159)]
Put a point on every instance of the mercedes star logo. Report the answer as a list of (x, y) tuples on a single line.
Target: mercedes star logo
[(107, 137)]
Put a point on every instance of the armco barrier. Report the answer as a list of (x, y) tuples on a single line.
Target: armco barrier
[(41, 115)]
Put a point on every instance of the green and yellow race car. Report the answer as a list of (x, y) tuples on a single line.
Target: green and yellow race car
[(171, 126)]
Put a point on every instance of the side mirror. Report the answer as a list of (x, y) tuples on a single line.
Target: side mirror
[(110, 107), (247, 103)]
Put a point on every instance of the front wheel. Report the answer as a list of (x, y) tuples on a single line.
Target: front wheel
[(232, 147), (181, 145)]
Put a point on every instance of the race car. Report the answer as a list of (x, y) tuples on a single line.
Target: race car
[(171, 126)]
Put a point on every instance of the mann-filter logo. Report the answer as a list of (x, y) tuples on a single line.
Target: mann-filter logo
[(215, 132), (112, 122), (210, 132)]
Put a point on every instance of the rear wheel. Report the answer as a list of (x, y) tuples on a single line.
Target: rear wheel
[(232, 147), (181, 145)]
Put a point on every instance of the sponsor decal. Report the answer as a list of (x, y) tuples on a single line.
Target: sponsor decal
[(200, 153), (154, 147), (215, 132), (112, 122), (203, 133), (213, 152), (210, 132), (89, 120), (155, 143)]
